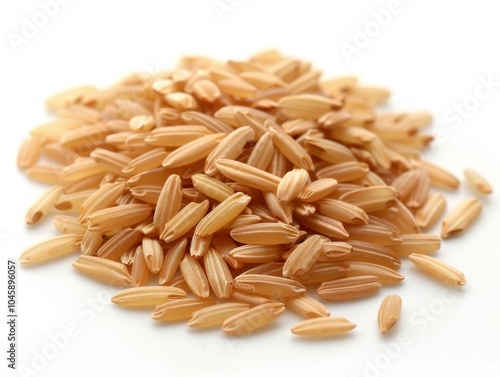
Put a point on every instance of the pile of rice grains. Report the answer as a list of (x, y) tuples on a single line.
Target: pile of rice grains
[(218, 192)]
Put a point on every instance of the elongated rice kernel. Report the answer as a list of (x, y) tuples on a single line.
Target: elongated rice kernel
[(43, 205), (349, 288), (222, 214), (478, 182), (461, 217), (252, 319), (146, 296), (51, 248), (215, 315), (438, 269), (323, 327)]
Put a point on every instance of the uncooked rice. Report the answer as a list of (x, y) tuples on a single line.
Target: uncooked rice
[(217, 192)]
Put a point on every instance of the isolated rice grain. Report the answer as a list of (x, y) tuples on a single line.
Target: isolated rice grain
[(51, 248), (461, 217), (323, 327), (478, 182), (389, 312), (438, 269)]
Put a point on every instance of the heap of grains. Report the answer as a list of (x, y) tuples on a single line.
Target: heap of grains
[(224, 193)]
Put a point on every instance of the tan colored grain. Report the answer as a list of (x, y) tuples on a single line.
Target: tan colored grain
[(74, 95), (438, 269), (325, 225), (303, 257), (431, 211), (145, 162), (271, 286), (104, 270), (328, 150), (372, 253), (417, 243), (257, 253), (349, 288), (52, 248), (171, 261), (291, 148), (43, 205), (215, 315), (229, 148), (385, 275), (29, 152), (146, 296), (218, 274), (478, 182), (177, 309), (335, 251), (117, 217), (265, 234), (389, 312), (318, 189), (184, 220), (222, 214), (69, 225), (307, 306), (119, 243), (323, 271), (102, 198), (344, 171), (140, 270), (193, 151), (323, 327), (343, 211), (281, 210), (307, 106), (45, 173), (195, 276), (292, 184), (461, 217), (82, 168), (439, 177), (153, 254), (248, 175), (252, 319)]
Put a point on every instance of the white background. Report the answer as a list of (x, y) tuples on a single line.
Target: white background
[(431, 55)]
